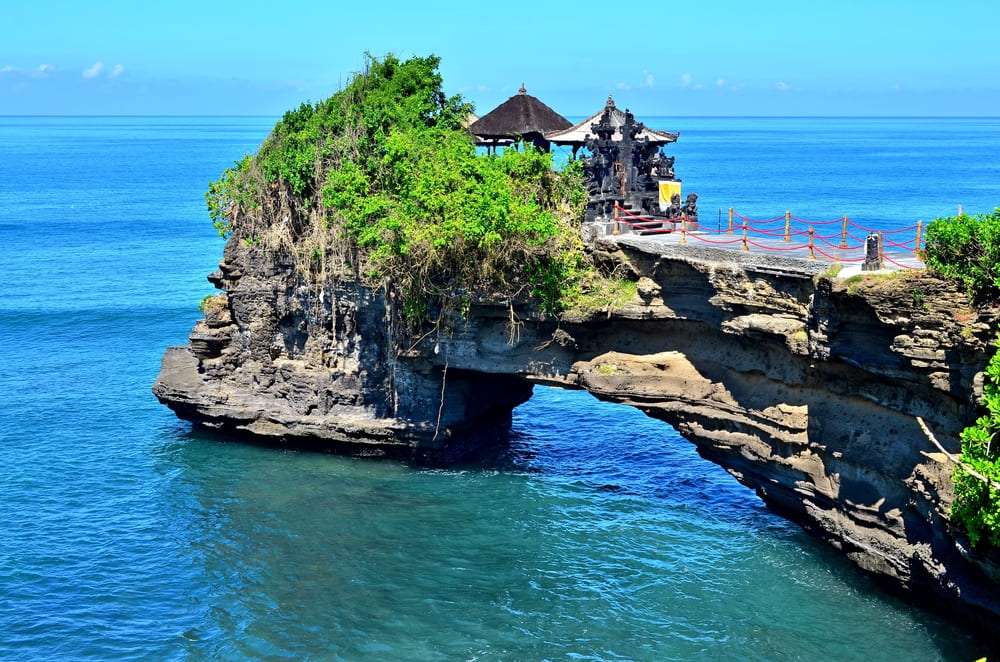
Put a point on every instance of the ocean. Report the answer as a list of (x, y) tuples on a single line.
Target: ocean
[(599, 534)]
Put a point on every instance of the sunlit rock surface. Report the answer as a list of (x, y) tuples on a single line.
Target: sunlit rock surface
[(805, 389)]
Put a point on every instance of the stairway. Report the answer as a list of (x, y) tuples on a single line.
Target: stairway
[(643, 224)]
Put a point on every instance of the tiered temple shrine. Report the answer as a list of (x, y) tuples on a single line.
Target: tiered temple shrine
[(630, 181), (576, 136)]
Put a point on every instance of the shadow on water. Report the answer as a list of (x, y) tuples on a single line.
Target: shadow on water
[(591, 530)]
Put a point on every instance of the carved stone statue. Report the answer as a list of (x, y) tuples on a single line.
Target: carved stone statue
[(663, 165), (674, 210), (644, 161), (690, 208)]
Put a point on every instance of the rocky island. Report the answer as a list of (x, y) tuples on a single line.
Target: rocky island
[(341, 326)]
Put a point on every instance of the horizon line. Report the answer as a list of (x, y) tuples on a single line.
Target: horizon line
[(194, 115)]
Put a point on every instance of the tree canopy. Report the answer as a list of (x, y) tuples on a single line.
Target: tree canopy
[(383, 178)]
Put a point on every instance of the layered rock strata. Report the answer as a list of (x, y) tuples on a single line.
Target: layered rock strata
[(804, 388)]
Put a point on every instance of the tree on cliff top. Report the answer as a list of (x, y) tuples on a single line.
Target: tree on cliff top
[(967, 249), (381, 181)]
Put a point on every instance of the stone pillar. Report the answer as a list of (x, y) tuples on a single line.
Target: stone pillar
[(873, 252)]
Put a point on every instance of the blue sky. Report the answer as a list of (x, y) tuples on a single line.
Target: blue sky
[(660, 58)]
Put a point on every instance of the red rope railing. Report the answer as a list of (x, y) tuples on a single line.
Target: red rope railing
[(839, 258), (898, 264), (763, 234), (796, 247), (712, 241)]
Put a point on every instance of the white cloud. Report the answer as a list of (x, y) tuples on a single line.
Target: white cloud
[(42, 71), (686, 80), (623, 86), (720, 82), (782, 86), (116, 71), (648, 80), (93, 70)]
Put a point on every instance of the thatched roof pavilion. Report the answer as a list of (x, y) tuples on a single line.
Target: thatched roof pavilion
[(577, 135), (521, 115)]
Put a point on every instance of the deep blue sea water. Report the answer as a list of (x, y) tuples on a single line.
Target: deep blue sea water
[(600, 534)]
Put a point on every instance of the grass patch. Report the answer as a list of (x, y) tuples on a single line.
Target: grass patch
[(853, 284), (600, 294), (832, 271)]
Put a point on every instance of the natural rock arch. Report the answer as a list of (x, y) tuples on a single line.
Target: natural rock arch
[(805, 391)]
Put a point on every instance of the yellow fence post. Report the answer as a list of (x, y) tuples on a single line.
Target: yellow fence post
[(916, 246), (843, 233), (684, 230), (730, 231), (881, 248), (812, 254), (788, 224), (614, 226), (746, 245)]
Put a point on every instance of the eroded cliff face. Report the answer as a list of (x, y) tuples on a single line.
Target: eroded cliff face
[(287, 358), (805, 389)]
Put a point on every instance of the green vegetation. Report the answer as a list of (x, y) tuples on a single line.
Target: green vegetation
[(977, 502), (607, 369), (854, 283), (381, 181), (595, 293), (234, 193), (967, 249), (832, 271), (212, 303)]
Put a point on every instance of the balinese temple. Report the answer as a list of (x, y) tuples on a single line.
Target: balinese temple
[(521, 117), (630, 181), (576, 136), (631, 184)]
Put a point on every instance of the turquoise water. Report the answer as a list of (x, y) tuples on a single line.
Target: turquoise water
[(599, 534)]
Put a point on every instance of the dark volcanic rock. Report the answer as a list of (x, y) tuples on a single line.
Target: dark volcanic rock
[(805, 390)]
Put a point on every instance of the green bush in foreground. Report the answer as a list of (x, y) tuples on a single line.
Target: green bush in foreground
[(382, 177), (977, 503), (967, 249)]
